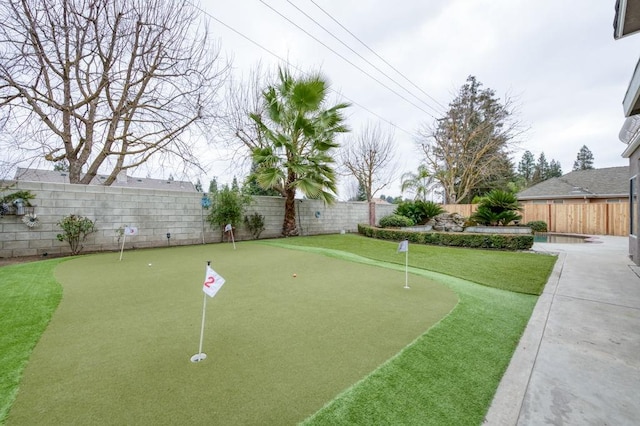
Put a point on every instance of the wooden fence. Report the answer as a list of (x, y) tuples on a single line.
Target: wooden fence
[(590, 219)]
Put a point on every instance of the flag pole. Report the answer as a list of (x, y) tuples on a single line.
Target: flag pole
[(124, 237), (232, 239), (200, 356)]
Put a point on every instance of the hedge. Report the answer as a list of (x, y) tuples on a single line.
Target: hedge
[(452, 239), (537, 225)]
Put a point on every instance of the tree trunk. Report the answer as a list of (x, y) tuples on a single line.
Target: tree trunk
[(289, 228), (372, 213)]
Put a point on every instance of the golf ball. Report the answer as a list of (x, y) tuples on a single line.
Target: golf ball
[(149, 264), (295, 275)]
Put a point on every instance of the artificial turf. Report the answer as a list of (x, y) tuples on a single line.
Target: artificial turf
[(117, 349), (521, 272), (28, 297), (111, 352), (450, 374)]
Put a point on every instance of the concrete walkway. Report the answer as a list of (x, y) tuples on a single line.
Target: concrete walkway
[(578, 362)]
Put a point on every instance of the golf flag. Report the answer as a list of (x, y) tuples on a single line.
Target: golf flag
[(131, 230), (128, 230), (212, 282), (403, 246), (228, 228)]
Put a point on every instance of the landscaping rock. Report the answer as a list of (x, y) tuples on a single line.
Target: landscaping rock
[(448, 222)]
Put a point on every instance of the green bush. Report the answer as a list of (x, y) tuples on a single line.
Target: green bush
[(26, 196), (497, 208), (227, 206), (419, 211), (75, 230), (537, 225), (453, 239), (255, 224), (395, 221)]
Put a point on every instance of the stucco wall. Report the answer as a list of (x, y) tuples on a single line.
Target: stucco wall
[(155, 213)]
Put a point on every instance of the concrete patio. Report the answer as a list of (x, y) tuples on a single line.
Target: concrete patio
[(578, 362)]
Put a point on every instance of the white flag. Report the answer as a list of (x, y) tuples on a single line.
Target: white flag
[(403, 246), (212, 282), (131, 230), (227, 228)]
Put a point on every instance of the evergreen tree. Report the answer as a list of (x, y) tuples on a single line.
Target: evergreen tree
[(362, 193), (555, 170), (541, 170), (467, 150), (234, 185), (584, 160), (213, 186), (527, 166)]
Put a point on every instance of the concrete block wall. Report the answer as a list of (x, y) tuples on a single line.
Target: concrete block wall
[(155, 213)]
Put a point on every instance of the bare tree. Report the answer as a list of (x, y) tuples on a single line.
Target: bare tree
[(243, 97), (370, 157), (106, 84), (471, 144)]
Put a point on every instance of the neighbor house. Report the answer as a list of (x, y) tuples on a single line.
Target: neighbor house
[(608, 185), (626, 22), (122, 180)]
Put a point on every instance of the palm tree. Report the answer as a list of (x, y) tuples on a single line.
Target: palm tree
[(299, 135), (419, 183)]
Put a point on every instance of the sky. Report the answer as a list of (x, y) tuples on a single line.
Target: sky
[(557, 61)]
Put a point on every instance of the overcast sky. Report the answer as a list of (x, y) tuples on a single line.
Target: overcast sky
[(557, 59)]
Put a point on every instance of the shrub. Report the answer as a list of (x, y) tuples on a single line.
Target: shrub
[(497, 208), (537, 225), (452, 239), (26, 196), (395, 220), (75, 230), (255, 224), (419, 211), (431, 210), (227, 206)]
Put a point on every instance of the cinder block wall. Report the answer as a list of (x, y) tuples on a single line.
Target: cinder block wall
[(155, 213)]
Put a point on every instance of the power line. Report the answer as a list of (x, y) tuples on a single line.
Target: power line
[(298, 69), (375, 53), (363, 58), (348, 61)]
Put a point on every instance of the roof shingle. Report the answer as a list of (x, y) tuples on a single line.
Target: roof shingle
[(593, 183), (35, 175)]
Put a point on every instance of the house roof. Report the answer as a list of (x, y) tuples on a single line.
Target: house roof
[(626, 22), (35, 175), (594, 183), (627, 18)]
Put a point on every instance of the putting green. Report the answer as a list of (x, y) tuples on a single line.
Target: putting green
[(117, 349)]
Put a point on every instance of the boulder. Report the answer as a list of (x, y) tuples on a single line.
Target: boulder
[(448, 222)]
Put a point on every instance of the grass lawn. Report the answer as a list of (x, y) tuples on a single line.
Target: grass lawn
[(343, 335), (513, 271), (28, 297)]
